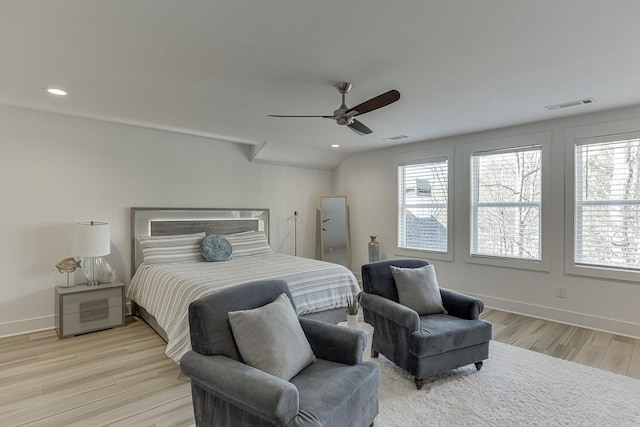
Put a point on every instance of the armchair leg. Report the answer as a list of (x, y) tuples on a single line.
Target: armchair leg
[(374, 354), (419, 382), (478, 365)]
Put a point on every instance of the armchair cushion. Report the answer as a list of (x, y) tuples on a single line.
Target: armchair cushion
[(418, 289), (271, 339), (333, 394), (440, 333)]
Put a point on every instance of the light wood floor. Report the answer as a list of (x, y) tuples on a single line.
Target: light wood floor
[(602, 350), (121, 377), (118, 377)]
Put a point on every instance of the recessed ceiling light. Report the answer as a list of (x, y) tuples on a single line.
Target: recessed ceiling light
[(335, 145), (55, 91)]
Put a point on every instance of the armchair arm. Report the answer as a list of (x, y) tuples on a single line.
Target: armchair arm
[(335, 343), (461, 305), (395, 312), (248, 388)]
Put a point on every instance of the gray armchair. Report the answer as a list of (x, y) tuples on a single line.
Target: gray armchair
[(422, 345), (339, 389)]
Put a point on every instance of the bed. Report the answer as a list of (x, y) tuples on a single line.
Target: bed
[(162, 291)]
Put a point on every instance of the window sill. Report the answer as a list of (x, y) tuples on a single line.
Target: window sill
[(603, 273), (428, 255), (521, 264)]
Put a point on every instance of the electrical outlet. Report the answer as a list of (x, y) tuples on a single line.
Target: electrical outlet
[(561, 291)]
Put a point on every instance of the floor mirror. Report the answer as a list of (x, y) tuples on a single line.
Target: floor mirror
[(334, 230)]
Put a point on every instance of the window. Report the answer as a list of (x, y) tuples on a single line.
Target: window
[(506, 203), (423, 203), (507, 191), (607, 203)]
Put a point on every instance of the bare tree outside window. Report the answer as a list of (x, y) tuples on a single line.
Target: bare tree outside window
[(607, 204), (506, 203)]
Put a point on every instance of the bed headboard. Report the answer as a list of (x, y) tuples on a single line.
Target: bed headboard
[(169, 221)]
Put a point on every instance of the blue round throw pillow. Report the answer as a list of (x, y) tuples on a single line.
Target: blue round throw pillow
[(216, 248)]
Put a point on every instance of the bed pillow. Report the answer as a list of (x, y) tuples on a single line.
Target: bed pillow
[(176, 248), (271, 339), (418, 289), (248, 243), (216, 248)]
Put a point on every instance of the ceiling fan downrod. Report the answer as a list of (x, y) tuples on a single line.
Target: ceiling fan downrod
[(340, 117)]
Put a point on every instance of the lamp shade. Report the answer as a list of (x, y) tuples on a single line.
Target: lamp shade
[(91, 239)]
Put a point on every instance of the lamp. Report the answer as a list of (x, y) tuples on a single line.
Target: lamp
[(295, 219), (92, 242)]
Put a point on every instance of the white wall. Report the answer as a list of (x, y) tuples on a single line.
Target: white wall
[(57, 170), (369, 181)]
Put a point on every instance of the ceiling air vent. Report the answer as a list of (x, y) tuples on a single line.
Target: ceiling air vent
[(395, 138), (570, 104)]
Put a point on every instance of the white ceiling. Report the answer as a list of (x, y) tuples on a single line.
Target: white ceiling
[(216, 68)]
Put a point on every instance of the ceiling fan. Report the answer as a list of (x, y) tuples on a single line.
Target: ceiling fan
[(346, 116)]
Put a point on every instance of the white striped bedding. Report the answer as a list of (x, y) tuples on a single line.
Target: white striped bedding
[(166, 290)]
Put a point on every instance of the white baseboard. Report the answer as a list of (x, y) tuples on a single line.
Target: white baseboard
[(26, 326), (605, 324)]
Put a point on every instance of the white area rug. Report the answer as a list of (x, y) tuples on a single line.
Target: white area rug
[(515, 387)]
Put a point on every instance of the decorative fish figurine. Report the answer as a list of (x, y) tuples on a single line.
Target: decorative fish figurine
[(68, 265)]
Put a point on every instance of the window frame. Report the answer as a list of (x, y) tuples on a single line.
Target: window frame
[(515, 143), (608, 132), (417, 158)]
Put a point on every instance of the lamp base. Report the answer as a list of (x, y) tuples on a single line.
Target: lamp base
[(97, 270)]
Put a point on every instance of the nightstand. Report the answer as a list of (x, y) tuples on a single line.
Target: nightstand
[(83, 308)]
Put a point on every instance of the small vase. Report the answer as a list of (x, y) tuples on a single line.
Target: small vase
[(374, 249), (352, 321)]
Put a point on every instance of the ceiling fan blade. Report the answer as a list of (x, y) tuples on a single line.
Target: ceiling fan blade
[(280, 115), (359, 128), (374, 103)]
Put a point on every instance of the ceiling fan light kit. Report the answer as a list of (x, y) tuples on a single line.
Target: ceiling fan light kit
[(345, 116)]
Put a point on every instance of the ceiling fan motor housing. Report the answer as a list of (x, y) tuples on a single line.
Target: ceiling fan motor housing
[(342, 119)]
